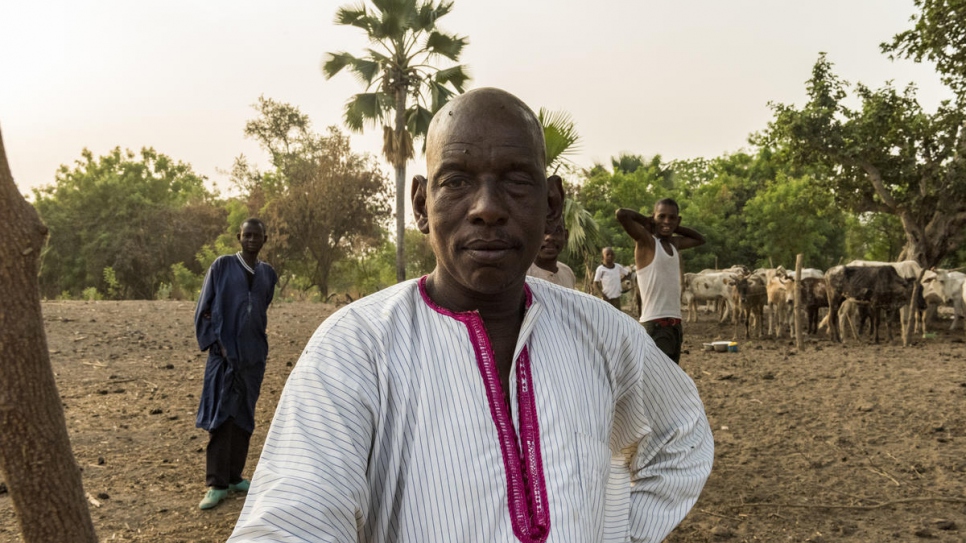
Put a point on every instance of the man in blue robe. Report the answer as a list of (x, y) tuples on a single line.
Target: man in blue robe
[(230, 323)]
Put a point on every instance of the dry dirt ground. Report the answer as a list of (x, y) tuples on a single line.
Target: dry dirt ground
[(853, 442)]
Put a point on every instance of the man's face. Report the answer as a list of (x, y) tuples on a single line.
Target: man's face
[(608, 255), (485, 204), (666, 220), (252, 238), (553, 243)]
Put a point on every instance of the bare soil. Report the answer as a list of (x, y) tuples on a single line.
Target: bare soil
[(838, 442)]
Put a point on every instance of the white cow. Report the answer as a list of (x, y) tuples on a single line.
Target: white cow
[(943, 287), (809, 273), (710, 286)]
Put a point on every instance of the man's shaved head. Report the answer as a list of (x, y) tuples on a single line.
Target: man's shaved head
[(477, 111)]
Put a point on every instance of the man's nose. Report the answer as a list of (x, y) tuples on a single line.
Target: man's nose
[(489, 203)]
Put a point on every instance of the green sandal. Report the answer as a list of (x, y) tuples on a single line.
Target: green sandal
[(213, 498)]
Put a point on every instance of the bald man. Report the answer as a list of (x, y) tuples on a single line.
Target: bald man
[(472, 404)]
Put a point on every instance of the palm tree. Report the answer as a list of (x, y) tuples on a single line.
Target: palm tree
[(561, 139), (404, 41)]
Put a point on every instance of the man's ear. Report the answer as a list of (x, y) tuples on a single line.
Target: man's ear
[(555, 198), (418, 195)]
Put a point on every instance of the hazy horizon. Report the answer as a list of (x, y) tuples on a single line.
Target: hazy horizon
[(683, 80)]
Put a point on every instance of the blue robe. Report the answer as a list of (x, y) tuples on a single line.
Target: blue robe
[(238, 320)]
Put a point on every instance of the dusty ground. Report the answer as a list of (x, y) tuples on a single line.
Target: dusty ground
[(853, 442)]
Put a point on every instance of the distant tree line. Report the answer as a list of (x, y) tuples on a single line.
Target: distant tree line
[(881, 180), (142, 225)]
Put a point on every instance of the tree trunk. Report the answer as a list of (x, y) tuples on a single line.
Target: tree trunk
[(35, 455), (400, 164), (929, 244)]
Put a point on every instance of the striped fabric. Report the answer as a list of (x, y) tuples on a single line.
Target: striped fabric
[(384, 432)]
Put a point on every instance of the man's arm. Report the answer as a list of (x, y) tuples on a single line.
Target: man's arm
[(660, 408), (686, 238), (206, 331), (310, 483), (598, 284), (639, 227)]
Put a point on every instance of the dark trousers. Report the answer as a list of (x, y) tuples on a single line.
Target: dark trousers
[(667, 338), (226, 455), (616, 302)]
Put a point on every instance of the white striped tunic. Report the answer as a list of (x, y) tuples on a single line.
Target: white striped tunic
[(384, 432)]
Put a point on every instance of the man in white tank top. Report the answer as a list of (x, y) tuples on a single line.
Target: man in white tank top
[(658, 241)]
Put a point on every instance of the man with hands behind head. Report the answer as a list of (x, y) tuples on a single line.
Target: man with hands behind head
[(658, 240)]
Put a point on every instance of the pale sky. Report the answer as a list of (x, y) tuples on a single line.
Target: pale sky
[(683, 79)]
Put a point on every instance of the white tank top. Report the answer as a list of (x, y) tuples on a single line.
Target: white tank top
[(660, 284)]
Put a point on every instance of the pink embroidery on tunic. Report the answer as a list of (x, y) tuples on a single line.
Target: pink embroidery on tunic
[(526, 487)]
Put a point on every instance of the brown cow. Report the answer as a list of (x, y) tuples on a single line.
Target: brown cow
[(880, 287), (814, 296), (751, 297)]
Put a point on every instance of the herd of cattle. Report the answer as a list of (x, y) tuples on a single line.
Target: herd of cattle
[(860, 292)]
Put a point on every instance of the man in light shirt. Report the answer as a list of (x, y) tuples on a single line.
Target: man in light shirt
[(472, 404)]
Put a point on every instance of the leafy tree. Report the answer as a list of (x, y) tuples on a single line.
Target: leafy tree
[(404, 40), (939, 36), (873, 236), (888, 155), (795, 215), (322, 201), (135, 213)]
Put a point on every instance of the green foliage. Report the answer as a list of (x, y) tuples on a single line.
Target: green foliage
[(795, 215), (873, 236), (164, 292), (111, 283), (321, 201), (889, 156), (939, 36), (184, 284), (91, 294), (134, 213), (373, 270)]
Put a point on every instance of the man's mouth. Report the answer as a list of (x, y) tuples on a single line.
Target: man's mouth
[(488, 250)]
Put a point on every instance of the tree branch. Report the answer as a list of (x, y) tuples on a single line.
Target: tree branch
[(880, 189)]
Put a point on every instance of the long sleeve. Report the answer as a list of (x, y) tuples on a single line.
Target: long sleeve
[(205, 330), (671, 461), (311, 481)]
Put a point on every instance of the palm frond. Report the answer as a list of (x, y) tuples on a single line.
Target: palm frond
[(334, 63), (457, 76), (445, 45), (585, 235), (417, 121), (366, 70), (560, 136), (357, 16), (364, 108)]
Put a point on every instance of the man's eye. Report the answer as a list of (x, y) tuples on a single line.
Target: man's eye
[(519, 178), (454, 182)]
